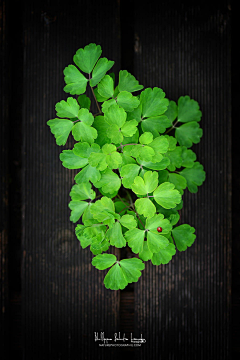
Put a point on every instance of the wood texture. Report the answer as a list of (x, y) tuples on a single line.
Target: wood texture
[(182, 309)]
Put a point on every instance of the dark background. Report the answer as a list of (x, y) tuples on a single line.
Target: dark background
[(52, 299)]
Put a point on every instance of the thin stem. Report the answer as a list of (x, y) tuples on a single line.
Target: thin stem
[(173, 127), (96, 101), (121, 200), (139, 218), (126, 145)]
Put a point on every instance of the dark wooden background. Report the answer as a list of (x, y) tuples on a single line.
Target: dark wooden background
[(52, 299)]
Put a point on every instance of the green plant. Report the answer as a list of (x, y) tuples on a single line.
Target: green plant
[(128, 191)]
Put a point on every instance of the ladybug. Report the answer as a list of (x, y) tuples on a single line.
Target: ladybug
[(159, 229)]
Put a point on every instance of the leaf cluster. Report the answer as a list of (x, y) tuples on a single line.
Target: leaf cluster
[(132, 172)]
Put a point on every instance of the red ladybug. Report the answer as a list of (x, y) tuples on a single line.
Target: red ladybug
[(159, 229)]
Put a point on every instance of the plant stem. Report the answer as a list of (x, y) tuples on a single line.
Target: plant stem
[(121, 146), (122, 200), (96, 101), (173, 127)]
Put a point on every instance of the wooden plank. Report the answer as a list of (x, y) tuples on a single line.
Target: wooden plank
[(4, 184), (64, 300), (183, 309)]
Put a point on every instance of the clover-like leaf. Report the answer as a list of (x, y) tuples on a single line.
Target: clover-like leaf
[(100, 69), (76, 82), (135, 238), (86, 58), (167, 196), (127, 82), (67, 108), (188, 157), (188, 110), (104, 261), (156, 125), (109, 182), (183, 236), (195, 176), (164, 256), (77, 209), (82, 192), (115, 235), (147, 184), (61, 129), (145, 207), (153, 102), (72, 161), (126, 100), (188, 133), (128, 173), (106, 87), (128, 221)]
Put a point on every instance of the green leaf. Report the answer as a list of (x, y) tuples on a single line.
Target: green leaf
[(129, 128), (61, 129), (188, 157), (184, 236), (145, 207), (86, 58), (85, 116), (115, 278), (179, 181), (195, 176), (167, 196), (109, 182), (115, 115), (72, 161), (145, 254), (83, 132), (100, 69), (160, 147), (89, 173), (158, 220), (128, 221), (155, 166), (172, 111), (105, 87), (115, 236), (132, 269), (67, 108), (188, 133), (146, 185), (188, 110), (175, 157), (128, 173), (156, 125), (156, 242), (146, 138), (164, 256), (104, 211), (135, 238), (84, 150), (77, 208), (128, 82), (102, 128), (153, 102), (82, 192), (143, 152), (109, 157), (126, 100), (84, 101), (76, 81), (83, 240), (104, 261)]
